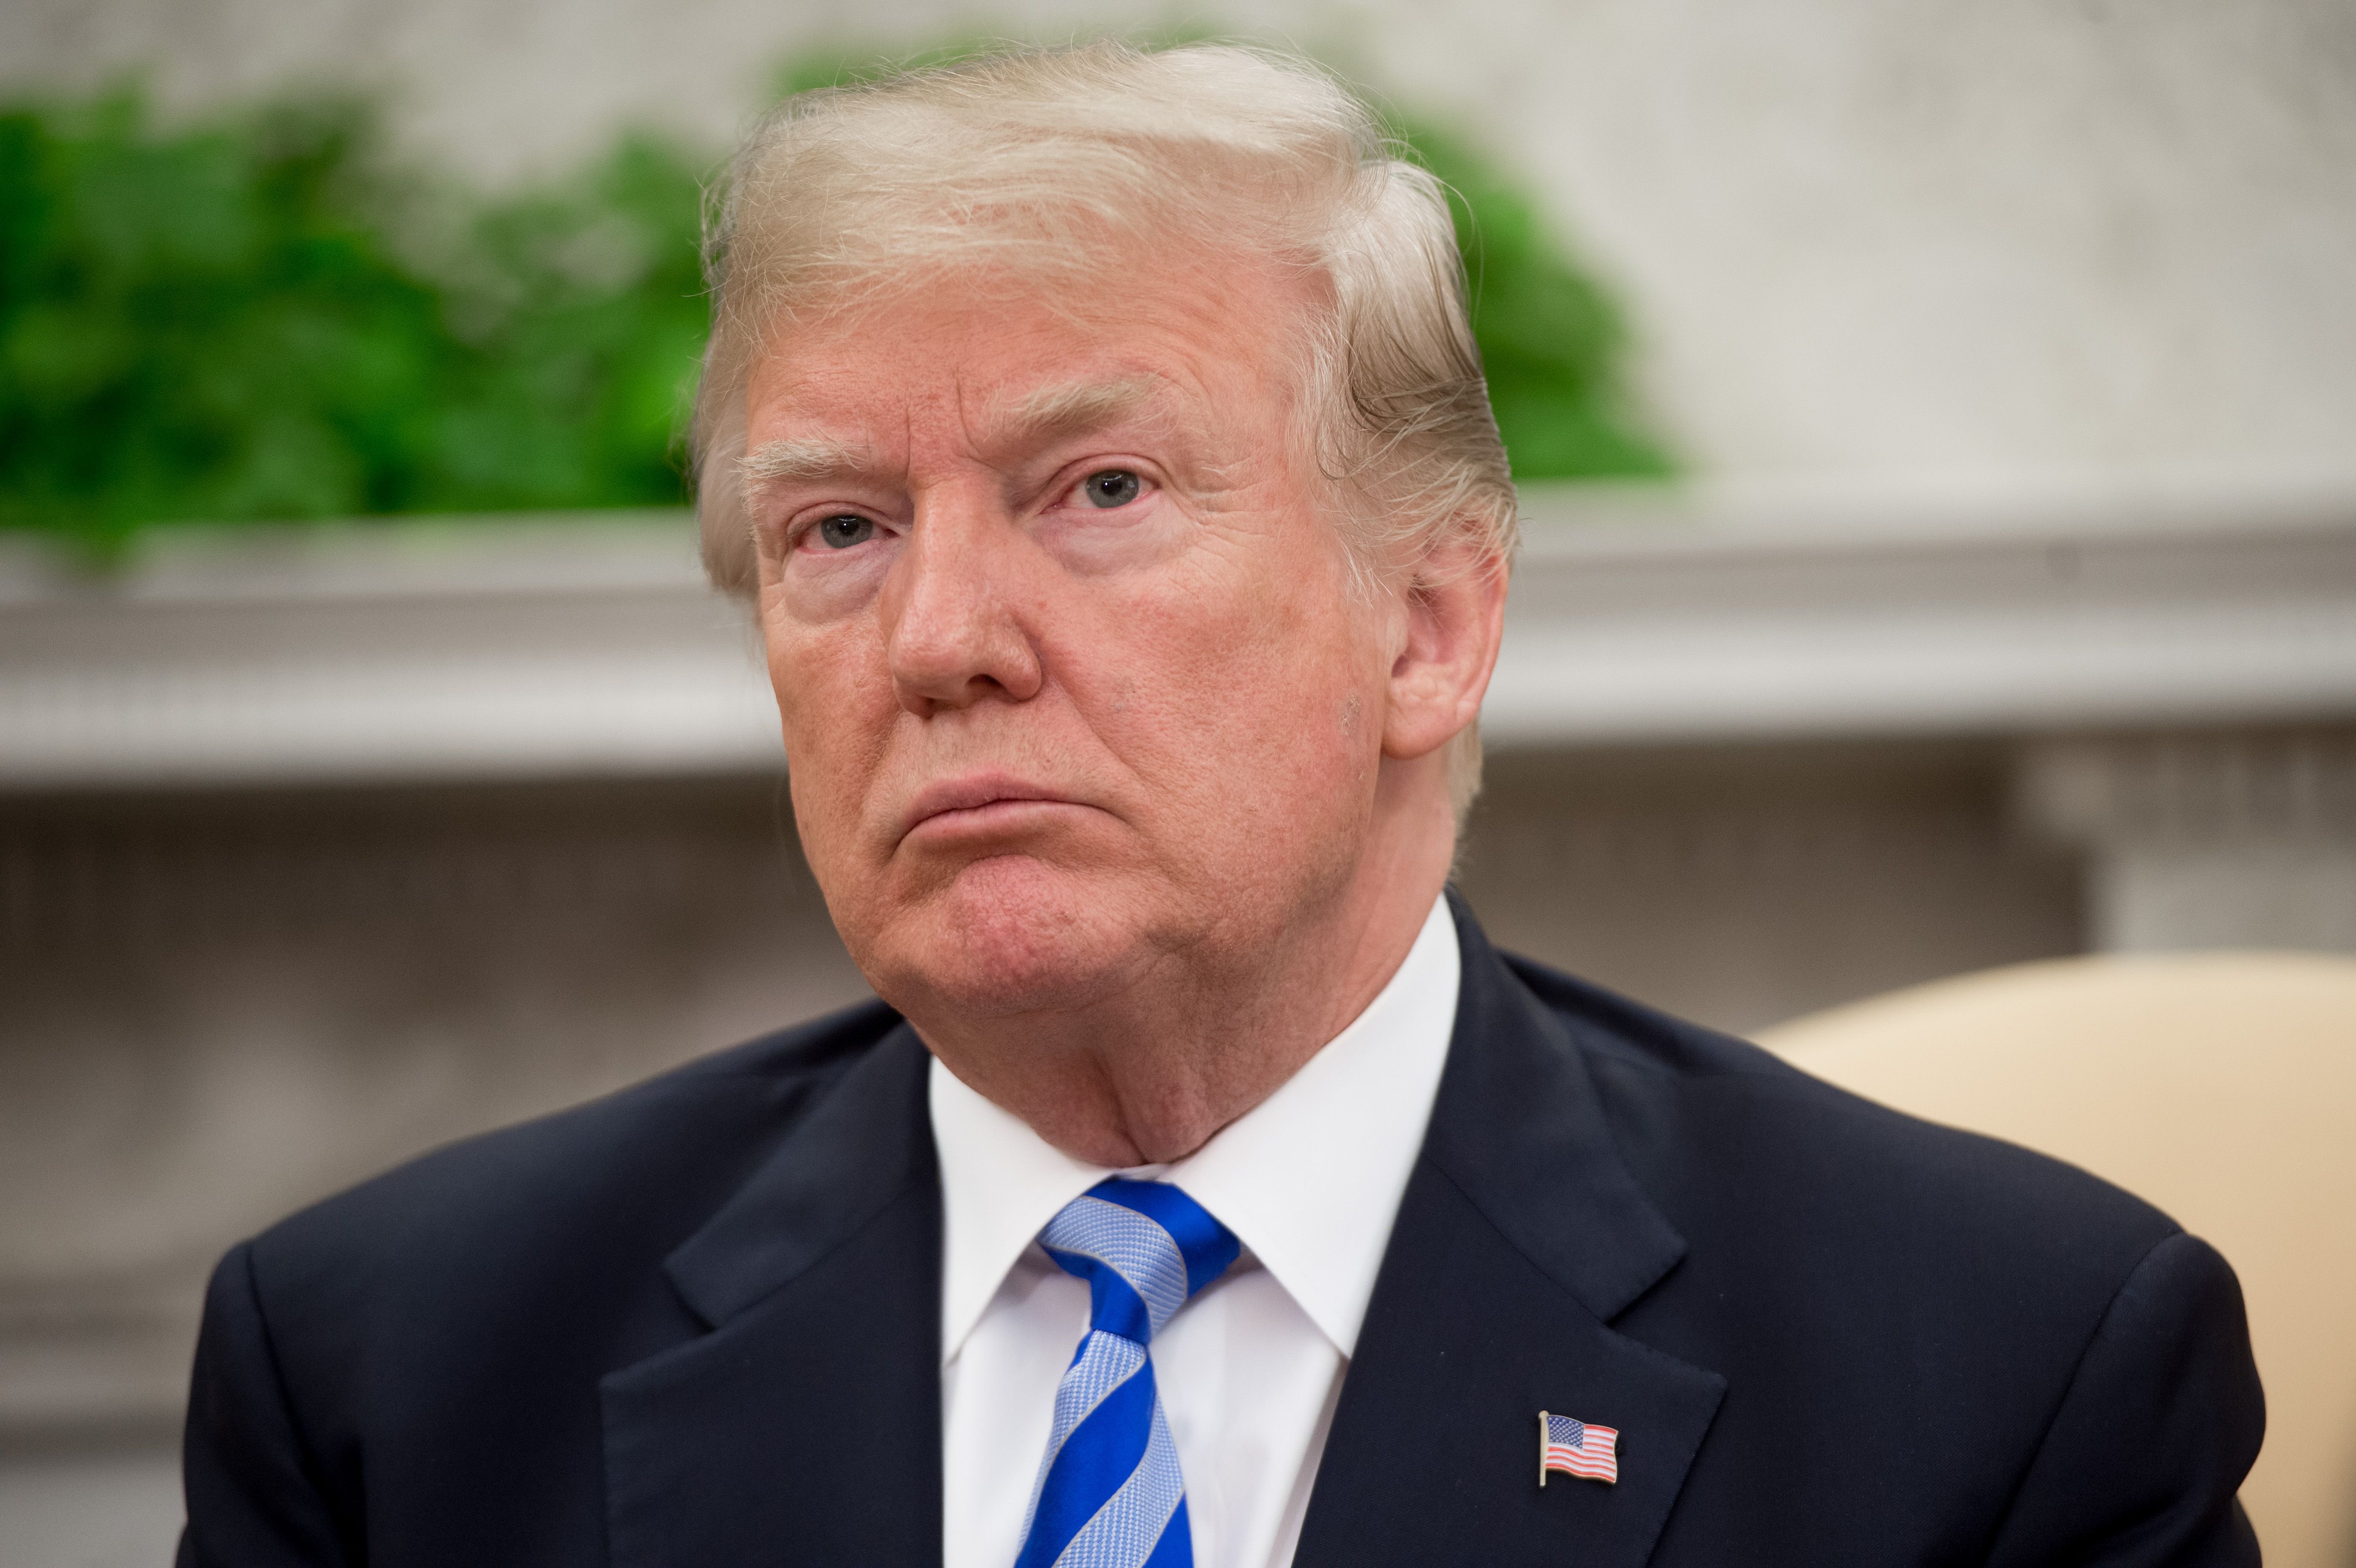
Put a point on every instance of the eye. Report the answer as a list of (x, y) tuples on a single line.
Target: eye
[(1111, 487), (843, 530)]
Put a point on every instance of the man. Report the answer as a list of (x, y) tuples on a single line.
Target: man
[(1101, 437)]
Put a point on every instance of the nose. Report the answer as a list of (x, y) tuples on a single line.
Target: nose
[(955, 632)]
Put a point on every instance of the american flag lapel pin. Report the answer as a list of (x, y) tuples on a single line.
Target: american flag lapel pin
[(1577, 1448)]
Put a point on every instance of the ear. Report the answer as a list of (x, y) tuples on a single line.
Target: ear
[(1455, 615)]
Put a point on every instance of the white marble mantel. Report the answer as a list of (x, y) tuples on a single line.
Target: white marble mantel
[(458, 649)]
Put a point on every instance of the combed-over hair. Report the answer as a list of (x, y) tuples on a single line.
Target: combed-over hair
[(1053, 164)]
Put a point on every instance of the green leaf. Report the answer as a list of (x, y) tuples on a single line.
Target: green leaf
[(260, 315)]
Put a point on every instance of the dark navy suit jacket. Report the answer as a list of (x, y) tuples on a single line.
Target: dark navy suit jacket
[(696, 1324)]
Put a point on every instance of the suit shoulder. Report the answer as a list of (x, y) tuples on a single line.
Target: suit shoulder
[(677, 1140), (1707, 1119)]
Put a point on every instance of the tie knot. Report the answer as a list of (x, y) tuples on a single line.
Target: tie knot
[(1143, 1247)]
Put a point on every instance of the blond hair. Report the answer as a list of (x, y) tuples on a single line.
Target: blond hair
[(1049, 163)]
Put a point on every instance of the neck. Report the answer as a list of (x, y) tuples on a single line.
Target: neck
[(1147, 1074)]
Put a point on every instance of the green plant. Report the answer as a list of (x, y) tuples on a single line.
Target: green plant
[(224, 323), (1552, 344), (261, 316), (201, 324), (580, 311)]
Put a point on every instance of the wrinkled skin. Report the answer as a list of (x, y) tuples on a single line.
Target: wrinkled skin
[(1116, 782)]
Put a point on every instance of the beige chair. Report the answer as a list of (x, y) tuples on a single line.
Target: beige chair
[(2221, 1087)]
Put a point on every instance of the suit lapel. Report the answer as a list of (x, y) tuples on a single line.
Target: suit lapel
[(1521, 1236), (805, 1426)]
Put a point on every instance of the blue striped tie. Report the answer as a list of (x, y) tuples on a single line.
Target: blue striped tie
[(1108, 1493)]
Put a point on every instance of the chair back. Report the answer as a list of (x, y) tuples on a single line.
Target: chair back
[(2221, 1087)]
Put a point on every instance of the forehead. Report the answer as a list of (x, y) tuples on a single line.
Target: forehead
[(1002, 354)]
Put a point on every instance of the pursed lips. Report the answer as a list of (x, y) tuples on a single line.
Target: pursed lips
[(979, 801)]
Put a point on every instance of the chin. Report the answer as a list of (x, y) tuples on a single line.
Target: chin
[(1008, 934)]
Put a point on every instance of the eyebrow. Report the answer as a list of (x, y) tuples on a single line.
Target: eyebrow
[(785, 461), (1072, 407)]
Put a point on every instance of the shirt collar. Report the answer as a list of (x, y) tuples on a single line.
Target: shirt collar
[(1308, 1180)]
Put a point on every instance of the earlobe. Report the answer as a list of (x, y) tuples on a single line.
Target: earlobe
[(1455, 616)]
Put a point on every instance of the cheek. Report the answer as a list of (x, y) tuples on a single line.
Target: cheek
[(787, 651), (1266, 703), (833, 712), (834, 735)]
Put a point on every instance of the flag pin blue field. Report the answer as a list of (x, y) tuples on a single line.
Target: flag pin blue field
[(1577, 1448)]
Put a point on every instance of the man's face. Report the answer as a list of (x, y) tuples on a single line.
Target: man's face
[(1074, 677)]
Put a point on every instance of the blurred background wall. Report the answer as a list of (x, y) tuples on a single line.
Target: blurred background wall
[(2004, 607)]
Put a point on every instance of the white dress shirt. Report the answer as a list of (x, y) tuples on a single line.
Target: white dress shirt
[(1310, 1180)]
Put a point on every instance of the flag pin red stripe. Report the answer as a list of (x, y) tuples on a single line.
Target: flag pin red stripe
[(1577, 1448)]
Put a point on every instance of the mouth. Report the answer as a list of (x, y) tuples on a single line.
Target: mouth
[(981, 805)]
